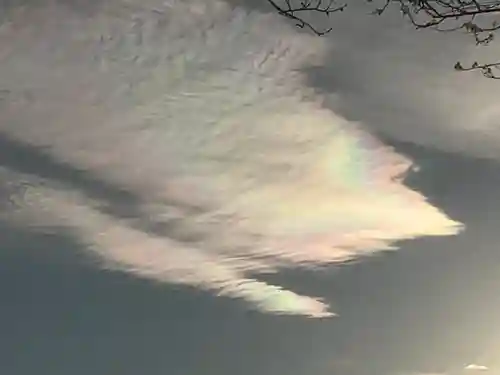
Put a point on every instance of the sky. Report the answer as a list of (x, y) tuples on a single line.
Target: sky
[(200, 188)]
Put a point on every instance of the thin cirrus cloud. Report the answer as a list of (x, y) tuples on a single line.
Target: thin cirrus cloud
[(181, 144)]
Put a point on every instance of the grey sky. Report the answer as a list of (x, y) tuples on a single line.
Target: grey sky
[(430, 307), (401, 82)]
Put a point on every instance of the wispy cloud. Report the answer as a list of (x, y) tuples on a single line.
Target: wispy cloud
[(468, 369), (401, 82), (476, 367), (199, 114)]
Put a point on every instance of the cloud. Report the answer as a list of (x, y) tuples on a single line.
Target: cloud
[(198, 118), (476, 367), (468, 369), (400, 82)]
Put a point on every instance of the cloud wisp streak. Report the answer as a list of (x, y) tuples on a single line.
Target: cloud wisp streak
[(196, 115)]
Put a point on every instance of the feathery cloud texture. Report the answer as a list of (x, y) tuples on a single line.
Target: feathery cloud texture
[(199, 114)]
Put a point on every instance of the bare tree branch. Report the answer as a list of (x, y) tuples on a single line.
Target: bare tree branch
[(294, 12), (478, 18), (487, 70)]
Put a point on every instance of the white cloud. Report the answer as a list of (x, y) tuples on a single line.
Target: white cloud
[(200, 113), (476, 367)]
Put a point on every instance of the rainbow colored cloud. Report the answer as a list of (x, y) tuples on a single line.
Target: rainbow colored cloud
[(200, 113)]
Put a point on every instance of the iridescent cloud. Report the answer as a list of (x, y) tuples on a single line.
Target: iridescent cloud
[(199, 112)]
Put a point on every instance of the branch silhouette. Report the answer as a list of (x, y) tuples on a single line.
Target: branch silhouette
[(477, 18), (294, 12)]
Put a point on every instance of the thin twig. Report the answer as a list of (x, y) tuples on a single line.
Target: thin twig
[(313, 6)]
